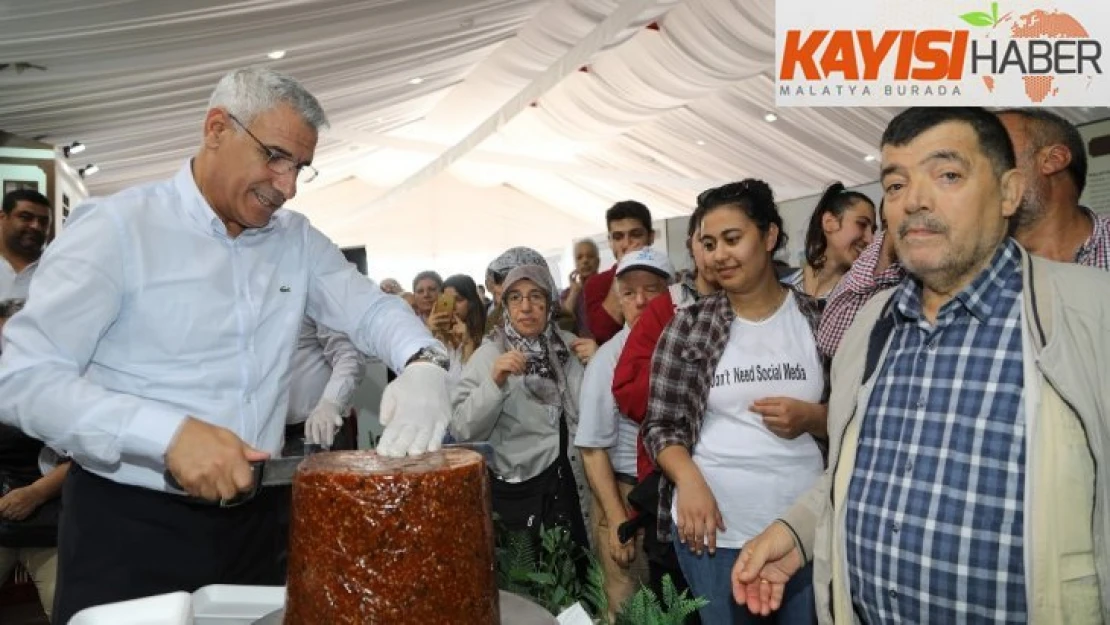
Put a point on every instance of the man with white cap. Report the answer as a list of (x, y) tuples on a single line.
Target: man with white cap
[(608, 439)]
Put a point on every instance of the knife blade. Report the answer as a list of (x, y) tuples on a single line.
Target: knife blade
[(280, 472)]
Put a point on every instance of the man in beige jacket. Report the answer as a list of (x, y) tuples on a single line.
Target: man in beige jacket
[(969, 418)]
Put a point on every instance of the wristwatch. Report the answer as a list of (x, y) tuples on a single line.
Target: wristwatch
[(432, 355)]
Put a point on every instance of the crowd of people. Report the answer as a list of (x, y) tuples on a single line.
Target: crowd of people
[(910, 427)]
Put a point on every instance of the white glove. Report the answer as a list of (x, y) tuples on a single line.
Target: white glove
[(415, 410), (323, 423)]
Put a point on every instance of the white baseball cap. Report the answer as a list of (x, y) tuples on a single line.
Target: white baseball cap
[(648, 259)]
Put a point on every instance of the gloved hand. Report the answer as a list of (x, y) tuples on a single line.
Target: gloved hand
[(415, 410), (323, 423)]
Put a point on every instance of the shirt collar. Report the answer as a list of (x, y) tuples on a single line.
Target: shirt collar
[(1100, 234), (978, 298), (198, 208)]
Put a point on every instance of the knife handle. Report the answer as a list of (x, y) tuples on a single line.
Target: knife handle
[(241, 498)]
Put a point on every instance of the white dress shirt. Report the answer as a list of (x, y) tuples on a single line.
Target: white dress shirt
[(600, 424), (15, 285), (326, 365), (144, 311)]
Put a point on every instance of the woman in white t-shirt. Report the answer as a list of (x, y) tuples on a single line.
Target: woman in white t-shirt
[(735, 411)]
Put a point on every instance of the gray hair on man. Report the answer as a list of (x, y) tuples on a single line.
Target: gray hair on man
[(250, 91)]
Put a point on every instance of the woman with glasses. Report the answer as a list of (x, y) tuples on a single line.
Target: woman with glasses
[(519, 391), (733, 407)]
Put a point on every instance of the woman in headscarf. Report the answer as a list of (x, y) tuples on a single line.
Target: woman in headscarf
[(497, 271), (519, 391)]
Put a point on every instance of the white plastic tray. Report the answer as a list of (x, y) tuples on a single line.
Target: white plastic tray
[(235, 605), (168, 609)]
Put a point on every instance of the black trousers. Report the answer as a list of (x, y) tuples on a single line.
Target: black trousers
[(120, 542)]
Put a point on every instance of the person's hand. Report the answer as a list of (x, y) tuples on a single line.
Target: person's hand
[(414, 411), (575, 279), (786, 417), (460, 334), (209, 461), (698, 517), (19, 503), (622, 554), (584, 349), (323, 423), (765, 564), (510, 363), (439, 321)]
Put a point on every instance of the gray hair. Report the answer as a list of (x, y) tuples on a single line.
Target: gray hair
[(9, 307), (250, 91)]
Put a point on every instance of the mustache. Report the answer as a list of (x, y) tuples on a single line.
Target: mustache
[(273, 196), (926, 222)]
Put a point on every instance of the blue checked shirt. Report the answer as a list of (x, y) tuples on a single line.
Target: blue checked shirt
[(935, 505)]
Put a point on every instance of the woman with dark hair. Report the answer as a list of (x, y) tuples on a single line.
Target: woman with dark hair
[(464, 333), (841, 227), (733, 407), (426, 287)]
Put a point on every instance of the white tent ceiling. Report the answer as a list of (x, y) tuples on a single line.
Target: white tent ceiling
[(459, 126)]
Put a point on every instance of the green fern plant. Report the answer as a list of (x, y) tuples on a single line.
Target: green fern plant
[(644, 607), (545, 570)]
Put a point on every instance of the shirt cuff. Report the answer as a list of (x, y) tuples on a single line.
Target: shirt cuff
[(151, 431)]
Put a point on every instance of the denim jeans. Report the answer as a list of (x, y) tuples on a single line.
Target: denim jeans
[(710, 577)]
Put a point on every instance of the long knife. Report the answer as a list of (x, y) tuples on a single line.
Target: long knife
[(280, 471)]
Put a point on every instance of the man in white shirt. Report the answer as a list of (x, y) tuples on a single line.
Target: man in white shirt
[(608, 439), (327, 369), (159, 336), (24, 222)]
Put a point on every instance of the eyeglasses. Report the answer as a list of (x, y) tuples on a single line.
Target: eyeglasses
[(535, 298), (280, 164)]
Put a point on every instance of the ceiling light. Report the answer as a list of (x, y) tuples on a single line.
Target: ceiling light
[(416, 81), (770, 117), (700, 142), (869, 157), (88, 170), (277, 54), (74, 148)]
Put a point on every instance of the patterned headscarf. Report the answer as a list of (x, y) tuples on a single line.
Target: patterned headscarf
[(511, 259), (498, 270), (546, 355)]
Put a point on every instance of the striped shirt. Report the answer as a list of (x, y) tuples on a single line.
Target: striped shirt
[(935, 506)]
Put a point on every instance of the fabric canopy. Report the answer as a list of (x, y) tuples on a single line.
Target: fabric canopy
[(527, 118)]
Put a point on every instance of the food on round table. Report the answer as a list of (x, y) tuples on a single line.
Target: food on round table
[(396, 541)]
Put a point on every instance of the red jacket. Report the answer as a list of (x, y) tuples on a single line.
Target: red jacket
[(598, 320), (633, 372)]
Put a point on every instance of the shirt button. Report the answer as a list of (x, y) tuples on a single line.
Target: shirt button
[(909, 466), (893, 593), (932, 346), (894, 527), (920, 403)]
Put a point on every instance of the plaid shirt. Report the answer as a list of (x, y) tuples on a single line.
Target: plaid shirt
[(854, 290), (681, 371), (1096, 251), (860, 283), (935, 513)]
